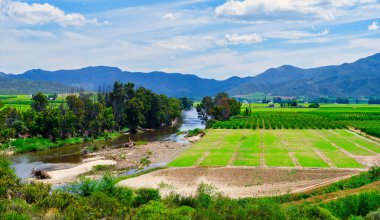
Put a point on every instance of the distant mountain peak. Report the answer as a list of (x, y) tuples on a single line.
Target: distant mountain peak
[(108, 68), (360, 78)]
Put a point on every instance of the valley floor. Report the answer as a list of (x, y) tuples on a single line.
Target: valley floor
[(251, 163), (238, 182)]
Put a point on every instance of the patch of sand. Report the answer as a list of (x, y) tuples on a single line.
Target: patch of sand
[(63, 176), (237, 182), (158, 152)]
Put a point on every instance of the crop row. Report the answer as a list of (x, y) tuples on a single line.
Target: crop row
[(279, 120)]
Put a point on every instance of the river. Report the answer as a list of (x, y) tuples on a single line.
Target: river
[(69, 156)]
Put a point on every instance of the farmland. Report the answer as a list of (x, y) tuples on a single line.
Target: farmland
[(23, 102), (279, 148)]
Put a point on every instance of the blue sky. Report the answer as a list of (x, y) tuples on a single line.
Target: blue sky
[(212, 39)]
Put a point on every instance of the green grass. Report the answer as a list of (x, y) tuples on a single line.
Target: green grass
[(23, 102), (249, 151), (338, 158), (40, 144), (280, 148)]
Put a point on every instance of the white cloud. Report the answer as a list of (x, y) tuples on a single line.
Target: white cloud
[(293, 35), (374, 26), (288, 9), (36, 13), (236, 39), (169, 16), (189, 43)]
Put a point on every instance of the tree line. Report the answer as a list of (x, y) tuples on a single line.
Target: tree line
[(91, 115), (219, 108)]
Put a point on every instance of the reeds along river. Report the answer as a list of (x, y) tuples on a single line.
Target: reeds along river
[(68, 156)]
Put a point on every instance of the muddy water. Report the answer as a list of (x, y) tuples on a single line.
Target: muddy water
[(68, 156)]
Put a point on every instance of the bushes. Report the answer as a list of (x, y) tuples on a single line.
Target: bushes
[(143, 196), (195, 132), (91, 199), (8, 179), (357, 205), (35, 192)]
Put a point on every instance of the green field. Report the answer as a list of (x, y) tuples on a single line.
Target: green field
[(278, 148), (23, 102)]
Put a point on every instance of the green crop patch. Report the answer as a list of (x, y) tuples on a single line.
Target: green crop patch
[(277, 148)]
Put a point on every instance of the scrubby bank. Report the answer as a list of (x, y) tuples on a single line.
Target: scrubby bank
[(90, 199)]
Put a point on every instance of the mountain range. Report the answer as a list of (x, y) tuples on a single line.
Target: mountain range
[(360, 78)]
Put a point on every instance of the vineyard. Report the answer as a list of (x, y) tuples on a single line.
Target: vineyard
[(279, 120), (366, 121), (279, 148)]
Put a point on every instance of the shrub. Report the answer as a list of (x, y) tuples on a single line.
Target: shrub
[(8, 179), (35, 192), (153, 210), (375, 215), (358, 205), (58, 199), (143, 196), (13, 216)]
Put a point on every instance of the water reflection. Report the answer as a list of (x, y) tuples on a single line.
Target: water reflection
[(70, 155)]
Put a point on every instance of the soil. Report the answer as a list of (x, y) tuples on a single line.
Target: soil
[(238, 182), (157, 152), (64, 176)]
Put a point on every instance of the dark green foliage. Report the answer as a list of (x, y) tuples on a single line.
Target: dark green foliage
[(355, 181), (358, 205), (58, 199), (220, 108), (9, 182), (82, 116), (194, 132), (35, 192), (277, 120), (187, 103), (143, 196), (314, 105), (311, 212), (40, 102)]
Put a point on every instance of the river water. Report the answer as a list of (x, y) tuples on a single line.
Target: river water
[(68, 156)]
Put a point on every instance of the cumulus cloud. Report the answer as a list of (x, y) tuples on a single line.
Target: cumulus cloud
[(374, 26), (36, 13), (287, 9)]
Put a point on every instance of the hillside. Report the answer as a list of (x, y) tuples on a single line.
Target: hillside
[(23, 86), (360, 78), (174, 84)]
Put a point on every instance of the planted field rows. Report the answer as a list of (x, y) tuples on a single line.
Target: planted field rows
[(278, 148)]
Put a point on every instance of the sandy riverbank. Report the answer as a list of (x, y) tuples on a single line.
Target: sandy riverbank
[(63, 176), (157, 152)]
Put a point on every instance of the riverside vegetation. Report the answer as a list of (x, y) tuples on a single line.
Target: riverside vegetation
[(102, 199), (84, 117)]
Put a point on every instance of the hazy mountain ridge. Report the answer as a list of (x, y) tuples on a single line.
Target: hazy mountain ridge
[(171, 84), (360, 78), (22, 86)]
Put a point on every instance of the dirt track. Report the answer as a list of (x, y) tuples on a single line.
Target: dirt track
[(236, 182)]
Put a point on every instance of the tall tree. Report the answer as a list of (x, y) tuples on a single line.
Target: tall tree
[(134, 113), (40, 102)]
